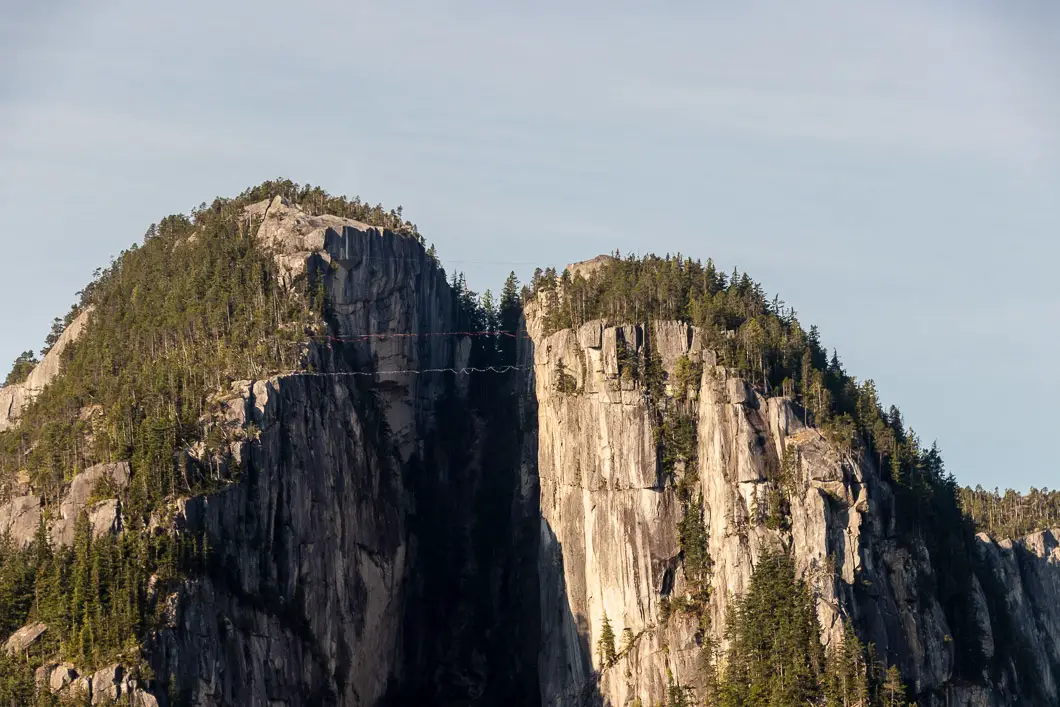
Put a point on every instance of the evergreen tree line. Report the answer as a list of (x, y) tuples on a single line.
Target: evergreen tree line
[(762, 340), (1012, 514), (316, 201), (486, 313), (95, 597), (174, 320), (775, 656)]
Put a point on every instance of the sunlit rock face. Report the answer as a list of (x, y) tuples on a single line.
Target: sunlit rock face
[(610, 547), (14, 398)]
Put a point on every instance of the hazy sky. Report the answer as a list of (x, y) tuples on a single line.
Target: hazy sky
[(894, 173)]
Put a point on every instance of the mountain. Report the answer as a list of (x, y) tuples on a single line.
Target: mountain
[(275, 456)]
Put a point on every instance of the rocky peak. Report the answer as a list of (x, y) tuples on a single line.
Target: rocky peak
[(586, 268), (388, 531)]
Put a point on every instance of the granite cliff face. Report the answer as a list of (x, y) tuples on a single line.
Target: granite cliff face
[(384, 537), (364, 548), (610, 546), (371, 543)]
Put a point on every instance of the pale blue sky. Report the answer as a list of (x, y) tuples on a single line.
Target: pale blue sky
[(893, 172)]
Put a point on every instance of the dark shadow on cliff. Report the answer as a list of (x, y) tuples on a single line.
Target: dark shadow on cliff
[(1015, 658), (483, 604), (566, 656), (1025, 652), (471, 629)]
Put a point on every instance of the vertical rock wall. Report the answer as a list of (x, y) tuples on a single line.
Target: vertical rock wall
[(610, 547), (369, 552)]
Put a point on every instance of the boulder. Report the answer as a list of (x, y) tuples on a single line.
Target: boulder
[(20, 517), (56, 676), (25, 637), (107, 684)]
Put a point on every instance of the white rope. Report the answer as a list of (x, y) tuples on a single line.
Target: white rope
[(468, 370)]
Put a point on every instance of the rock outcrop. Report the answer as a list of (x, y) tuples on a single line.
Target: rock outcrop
[(388, 531), (57, 676), (19, 518), (110, 685), (103, 482), (13, 398), (94, 490), (25, 637)]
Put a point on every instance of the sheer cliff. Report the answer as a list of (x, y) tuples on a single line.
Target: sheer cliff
[(370, 551), (612, 549), (397, 496), (364, 538)]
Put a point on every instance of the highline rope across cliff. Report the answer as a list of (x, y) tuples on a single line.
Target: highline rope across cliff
[(416, 335), (466, 370)]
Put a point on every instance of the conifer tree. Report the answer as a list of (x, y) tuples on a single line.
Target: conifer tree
[(775, 656), (22, 367), (606, 644), (893, 689)]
